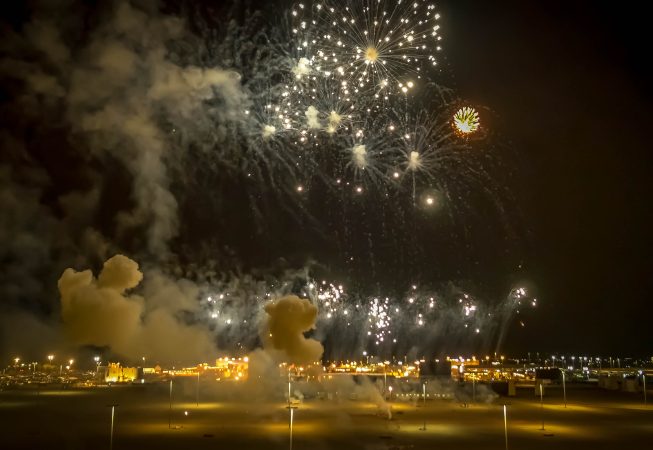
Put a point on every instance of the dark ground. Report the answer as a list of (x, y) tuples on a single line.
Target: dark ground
[(80, 419)]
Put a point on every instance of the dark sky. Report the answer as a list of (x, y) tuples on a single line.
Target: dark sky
[(569, 94), (570, 84)]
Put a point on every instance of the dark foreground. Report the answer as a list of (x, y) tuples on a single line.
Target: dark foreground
[(80, 419)]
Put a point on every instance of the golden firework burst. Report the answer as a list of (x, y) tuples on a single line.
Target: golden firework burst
[(466, 120)]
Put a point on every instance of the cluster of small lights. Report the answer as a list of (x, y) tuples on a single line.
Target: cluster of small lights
[(518, 296)]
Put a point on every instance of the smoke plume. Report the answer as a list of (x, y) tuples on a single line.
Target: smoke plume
[(100, 312), (101, 105), (283, 330)]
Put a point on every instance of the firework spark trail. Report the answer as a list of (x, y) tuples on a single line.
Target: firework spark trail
[(421, 320)]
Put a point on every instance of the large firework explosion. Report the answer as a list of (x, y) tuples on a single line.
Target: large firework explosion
[(323, 134), (347, 114)]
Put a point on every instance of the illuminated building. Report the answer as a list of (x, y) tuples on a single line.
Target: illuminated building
[(472, 369), (115, 373), (387, 368), (230, 368)]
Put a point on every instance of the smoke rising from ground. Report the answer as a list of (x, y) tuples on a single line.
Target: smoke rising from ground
[(283, 330), (119, 95), (99, 111), (100, 312)]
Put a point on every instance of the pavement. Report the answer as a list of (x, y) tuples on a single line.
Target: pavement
[(144, 419)]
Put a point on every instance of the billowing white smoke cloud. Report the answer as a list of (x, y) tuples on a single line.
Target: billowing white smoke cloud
[(121, 88), (99, 311), (288, 318), (123, 92)]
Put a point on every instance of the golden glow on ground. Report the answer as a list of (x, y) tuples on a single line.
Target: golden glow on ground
[(439, 429), (574, 408), (298, 427), (556, 429), (192, 406), (10, 404), (64, 393), (632, 406)]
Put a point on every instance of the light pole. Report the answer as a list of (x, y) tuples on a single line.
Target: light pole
[(644, 381), (424, 392), (113, 409), (170, 408), (197, 393), (385, 379), (541, 405), (505, 424), (564, 387), (291, 410)]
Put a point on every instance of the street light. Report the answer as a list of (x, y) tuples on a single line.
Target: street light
[(564, 387), (113, 409), (385, 377), (97, 365), (542, 405), (170, 409), (50, 358), (505, 424), (291, 410)]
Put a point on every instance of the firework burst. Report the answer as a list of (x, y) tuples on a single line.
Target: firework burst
[(379, 47), (466, 120)]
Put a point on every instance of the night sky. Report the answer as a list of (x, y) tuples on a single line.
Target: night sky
[(567, 95), (571, 85)]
